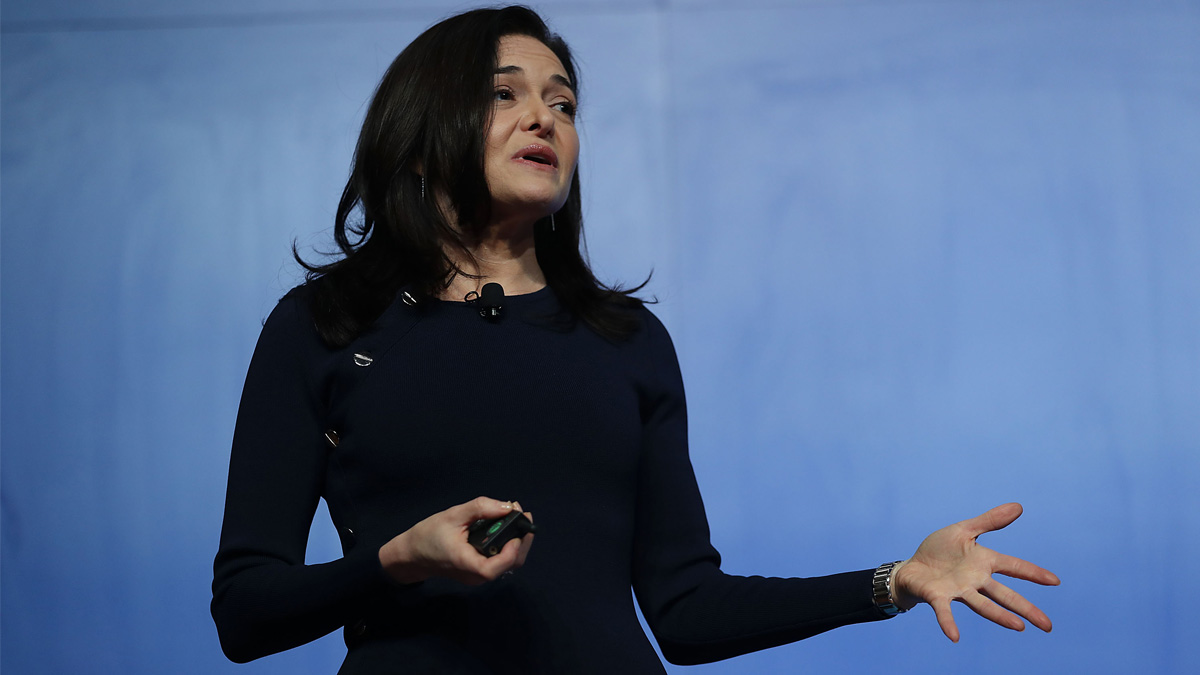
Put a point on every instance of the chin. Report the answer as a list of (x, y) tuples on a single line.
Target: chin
[(536, 198), (539, 205)]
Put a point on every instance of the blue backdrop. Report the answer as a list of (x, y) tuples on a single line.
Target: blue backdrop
[(928, 257)]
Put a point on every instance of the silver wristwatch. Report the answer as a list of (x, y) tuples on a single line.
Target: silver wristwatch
[(881, 589)]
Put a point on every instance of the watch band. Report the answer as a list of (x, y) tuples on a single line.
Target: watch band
[(881, 590)]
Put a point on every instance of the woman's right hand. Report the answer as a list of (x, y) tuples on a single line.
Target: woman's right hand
[(438, 547)]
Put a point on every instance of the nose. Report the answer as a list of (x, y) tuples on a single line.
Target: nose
[(538, 119)]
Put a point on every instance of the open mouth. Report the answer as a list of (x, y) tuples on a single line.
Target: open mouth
[(537, 154)]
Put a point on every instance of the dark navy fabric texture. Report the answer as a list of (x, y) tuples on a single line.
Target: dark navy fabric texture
[(589, 435)]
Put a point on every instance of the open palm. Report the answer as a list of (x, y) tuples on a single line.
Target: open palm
[(951, 565)]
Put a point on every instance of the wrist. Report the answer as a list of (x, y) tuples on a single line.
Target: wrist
[(900, 595), (398, 564)]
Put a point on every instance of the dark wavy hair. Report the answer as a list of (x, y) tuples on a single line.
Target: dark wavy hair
[(430, 114)]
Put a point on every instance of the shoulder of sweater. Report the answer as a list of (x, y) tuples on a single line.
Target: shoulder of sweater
[(291, 320), (656, 350), (653, 329)]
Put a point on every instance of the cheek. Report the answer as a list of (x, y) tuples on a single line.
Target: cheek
[(497, 136), (492, 149), (572, 148), (493, 158)]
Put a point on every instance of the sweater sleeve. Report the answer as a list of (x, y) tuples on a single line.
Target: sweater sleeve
[(697, 613), (265, 599)]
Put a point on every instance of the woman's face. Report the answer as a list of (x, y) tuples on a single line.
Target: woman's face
[(532, 145)]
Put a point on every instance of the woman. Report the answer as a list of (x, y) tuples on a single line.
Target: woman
[(378, 386)]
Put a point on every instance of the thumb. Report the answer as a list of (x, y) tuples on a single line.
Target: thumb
[(993, 519)]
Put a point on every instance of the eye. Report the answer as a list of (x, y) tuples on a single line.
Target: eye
[(504, 94), (565, 107)]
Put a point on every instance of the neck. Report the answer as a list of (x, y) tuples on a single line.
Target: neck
[(503, 253)]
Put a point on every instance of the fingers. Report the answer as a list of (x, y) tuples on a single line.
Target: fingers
[(459, 560), (504, 561), (991, 602), (480, 508), (526, 543), (992, 520), (991, 611), (522, 543), (514, 552), (981, 606), (945, 618), (1023, 569), (1013, 601), (952, 566), (473, 569)]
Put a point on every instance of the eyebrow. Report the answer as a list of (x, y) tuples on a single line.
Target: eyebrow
[(508, 70)]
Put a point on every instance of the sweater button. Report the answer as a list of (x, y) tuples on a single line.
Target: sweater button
[(363, 359), (332, 438), (348, 538), (360, 628)]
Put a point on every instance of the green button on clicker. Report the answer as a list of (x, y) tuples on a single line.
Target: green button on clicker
[(495, 528)]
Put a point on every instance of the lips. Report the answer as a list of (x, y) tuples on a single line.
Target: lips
[(538, 155)]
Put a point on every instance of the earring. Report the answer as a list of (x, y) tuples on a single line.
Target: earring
[(551, 222), (422, 188)]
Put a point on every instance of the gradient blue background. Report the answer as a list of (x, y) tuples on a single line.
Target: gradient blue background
[(921, 258)]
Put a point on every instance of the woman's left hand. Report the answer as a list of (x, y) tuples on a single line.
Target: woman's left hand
[(951, 565)]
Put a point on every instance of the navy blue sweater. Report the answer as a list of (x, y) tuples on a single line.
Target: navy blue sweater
[(589, 434)]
